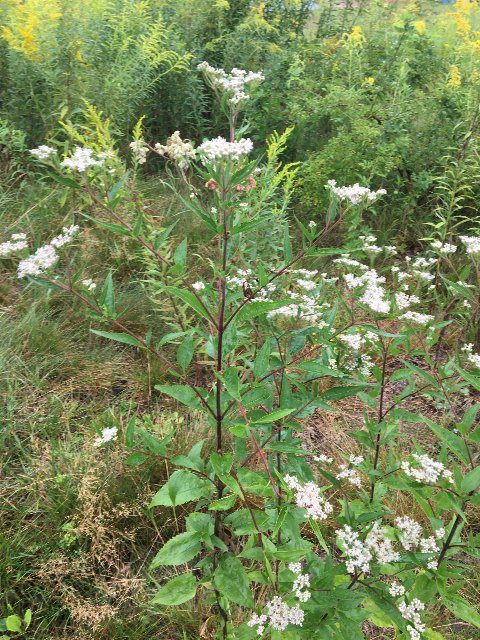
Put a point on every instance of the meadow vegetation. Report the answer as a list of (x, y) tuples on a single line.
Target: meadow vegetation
[(239, 319)]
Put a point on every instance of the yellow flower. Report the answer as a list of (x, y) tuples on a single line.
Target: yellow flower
[(455, 79), (355, 38), (369, 81), (420, 26)]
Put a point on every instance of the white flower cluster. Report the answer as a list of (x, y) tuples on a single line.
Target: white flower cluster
[(177, 150), (380, 545), (46, 256), (89, 284), (17, 243), (474, 358), (417, 318), (427, 470), (107, 435), (358, 555), (353, 340), (139, 150), (233, 83), (396, 589), (403, 300), (472, 244), (279, 616), (309, 497), (83, 159), (198, 286), (374, 293), (347, 473), (354, 193), (445, 248), (301, 587), (420, 266), (410, 532), (370, 246), (410, 612), (220, 149), (43, 152), (323, 459), (410, 536)]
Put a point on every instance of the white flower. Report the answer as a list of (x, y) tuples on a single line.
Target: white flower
[(312, 224), (198, 286), (380, 545), (396, 589), (233, 83), (107, 435), (358, 555), (89, 284), (427, 470), (355, 193), (279, 616), (43, 258), (300, 587), (440, 533), (17, 243), (443, 248), (353, 340), (323, 459), (410, 612), (417, 318), (474, 358), (139, 150), (43, 152), (410, 532), (308, 496), (219, 149), (472, 244), (350, 475), (46, 256), (66, 237), (356, 460), (403, 300), (82, 159), (177, 150), (295, 567)]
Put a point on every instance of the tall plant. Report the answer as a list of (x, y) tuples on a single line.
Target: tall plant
[(280, 538)]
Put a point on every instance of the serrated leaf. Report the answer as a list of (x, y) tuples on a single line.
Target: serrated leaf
[(183, 393), (278, 414), (232, 581), (176, 591), (189, 298), (182, 487), (178, 550)]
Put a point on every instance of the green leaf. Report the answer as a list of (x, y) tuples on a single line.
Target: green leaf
[(130, 432), (221, 464), (118, 337), (107, 297), (337, 393), (471, 481), (178, 550), (278, 414), (472, 380), (460, 607), (183, 393), (452, 441), (176, 591), (110, 226), (260, 366), (189, 298), (185, 351), (232, 581), (14, 623), (64, 181), (134, 459), (27, 618), (254, 309), (180, 255), (223, 504), (182, 487)]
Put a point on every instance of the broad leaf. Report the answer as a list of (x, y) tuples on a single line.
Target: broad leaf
[(176, 591), (182, 487), (178, 550)]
